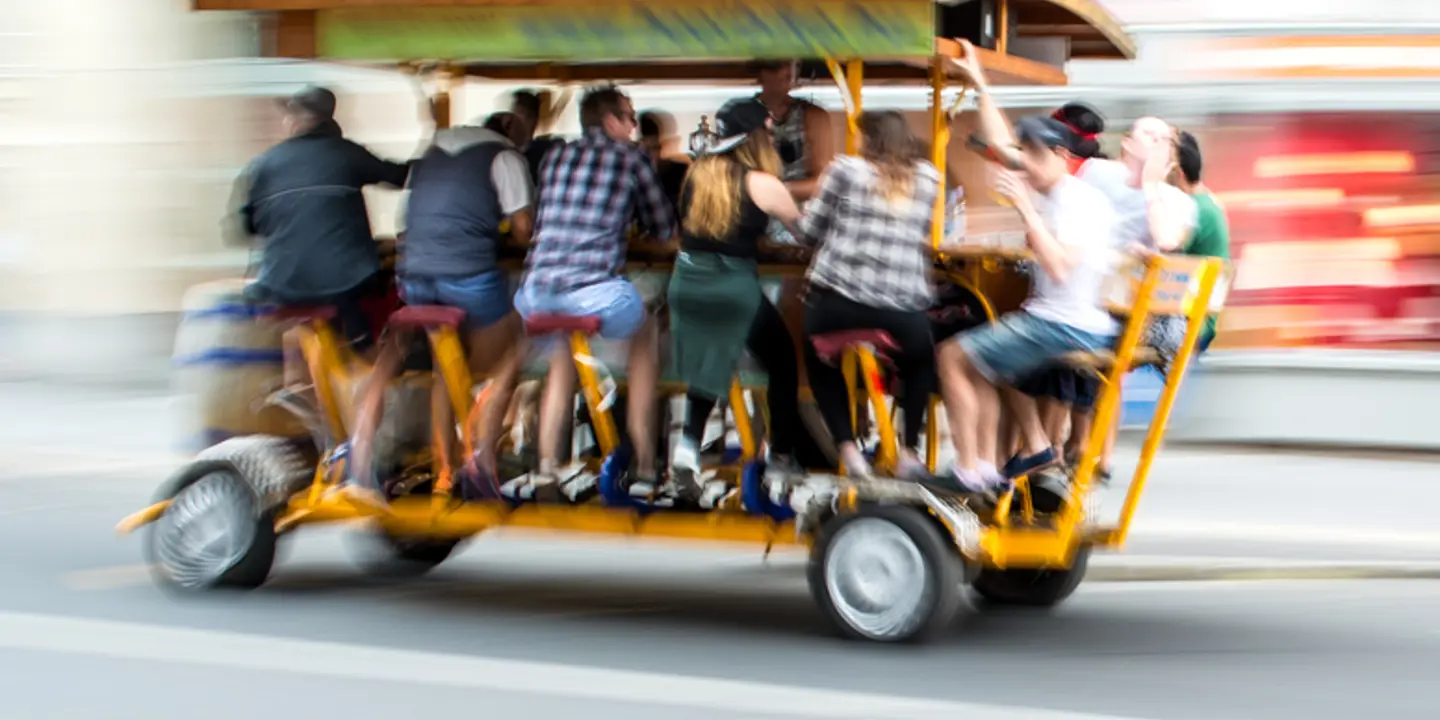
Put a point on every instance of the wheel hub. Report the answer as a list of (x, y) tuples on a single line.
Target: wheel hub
[(207, 530), (876, 577)]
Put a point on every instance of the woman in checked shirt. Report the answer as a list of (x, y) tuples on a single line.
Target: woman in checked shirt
[(870, 218)]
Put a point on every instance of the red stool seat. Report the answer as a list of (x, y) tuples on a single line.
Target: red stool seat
[(832, 345), (547, 324), (308, 313), (426, 317)]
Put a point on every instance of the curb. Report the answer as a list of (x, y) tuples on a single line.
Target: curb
[(1289, 571)]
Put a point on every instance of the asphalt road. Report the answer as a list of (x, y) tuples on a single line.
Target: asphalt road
[(527, 627)]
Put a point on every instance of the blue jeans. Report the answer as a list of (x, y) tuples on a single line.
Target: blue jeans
[(1018, 344), (485, 298), (615, 301)]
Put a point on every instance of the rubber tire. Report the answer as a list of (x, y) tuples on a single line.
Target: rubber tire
[(946, 572), (273, 470), (380, 553), (1031, 588)]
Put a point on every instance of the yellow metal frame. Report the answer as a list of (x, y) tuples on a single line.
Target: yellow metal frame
[(1001, 543), (1185, 282), (1186, 286)]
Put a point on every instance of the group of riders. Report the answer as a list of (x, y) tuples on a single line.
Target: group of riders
[(770, 162)]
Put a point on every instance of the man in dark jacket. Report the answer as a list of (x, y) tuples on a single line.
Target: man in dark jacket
[(302, 199)]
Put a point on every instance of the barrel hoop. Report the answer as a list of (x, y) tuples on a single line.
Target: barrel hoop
[(232, 357), (231, 310)]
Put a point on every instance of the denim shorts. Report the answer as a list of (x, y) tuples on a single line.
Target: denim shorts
[(616, 301), (1018, 344), (485, 298)]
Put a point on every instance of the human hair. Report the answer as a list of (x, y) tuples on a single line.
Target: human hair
[(649, 125), (527, 104), (500, 122), (599, 103), (1187, 151), (891, 147), (714, 184), (1086, 123)]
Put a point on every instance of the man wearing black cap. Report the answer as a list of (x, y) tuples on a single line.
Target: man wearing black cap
[(1069, 229), (302, 200)]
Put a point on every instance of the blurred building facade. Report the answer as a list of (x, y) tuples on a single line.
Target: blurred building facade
[(123, 122)]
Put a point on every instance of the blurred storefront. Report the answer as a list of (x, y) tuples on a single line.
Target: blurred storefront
[(124, 122)]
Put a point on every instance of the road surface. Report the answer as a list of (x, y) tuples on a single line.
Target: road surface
[(532, 627)]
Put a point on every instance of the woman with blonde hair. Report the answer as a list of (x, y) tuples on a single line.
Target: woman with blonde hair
[(871, 220), (717, 307)]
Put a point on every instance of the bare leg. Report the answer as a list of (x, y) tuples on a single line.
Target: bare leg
[(641, 389), (557, 402), (294, 361), (987, 420), (372, 408), (495, 352), (1080, 423), (1027, 416), (1055, 416), (961, 404)]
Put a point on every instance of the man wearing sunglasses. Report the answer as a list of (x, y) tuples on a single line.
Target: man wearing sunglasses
[(591, 192)]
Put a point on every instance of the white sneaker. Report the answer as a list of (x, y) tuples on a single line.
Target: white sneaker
[(685, 470)]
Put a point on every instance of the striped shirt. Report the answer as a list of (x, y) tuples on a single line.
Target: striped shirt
[(592, 191)]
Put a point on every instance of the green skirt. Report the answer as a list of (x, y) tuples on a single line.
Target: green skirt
[(713, 300)]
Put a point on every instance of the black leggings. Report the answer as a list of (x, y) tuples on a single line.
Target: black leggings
[(771, 343), (826, 312)]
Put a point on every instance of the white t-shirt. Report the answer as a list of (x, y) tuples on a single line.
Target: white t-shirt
[(1112, 178), (1077, 215)]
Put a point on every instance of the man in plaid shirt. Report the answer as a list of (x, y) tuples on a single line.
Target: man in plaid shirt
[(591, 190)]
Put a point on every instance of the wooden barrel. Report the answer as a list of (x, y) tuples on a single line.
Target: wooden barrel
[(227, 358)]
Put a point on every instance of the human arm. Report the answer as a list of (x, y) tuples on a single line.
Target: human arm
[(771, 196), (371, 170), (510, 174), (822, 210), (237, 227), (1056, 255), (656, 216), (819, 151), (993, 129)]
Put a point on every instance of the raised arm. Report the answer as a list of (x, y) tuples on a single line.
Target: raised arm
[(993, 129)]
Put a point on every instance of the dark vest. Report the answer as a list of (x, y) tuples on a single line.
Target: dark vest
[(452, 220)]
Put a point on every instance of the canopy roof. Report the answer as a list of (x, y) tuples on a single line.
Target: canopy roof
[(689, 40)]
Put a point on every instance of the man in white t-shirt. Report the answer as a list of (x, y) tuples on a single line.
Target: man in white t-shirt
[(1070, 228)]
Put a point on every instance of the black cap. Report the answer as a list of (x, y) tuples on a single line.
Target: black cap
[(735, 121), (1047, 132), (312, 100)]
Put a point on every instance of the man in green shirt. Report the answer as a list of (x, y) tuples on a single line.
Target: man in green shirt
[(1212, 229)]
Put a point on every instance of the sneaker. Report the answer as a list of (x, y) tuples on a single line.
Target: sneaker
[(685, 471), (1049, 491), (911, 469), (543, 488), (968, 482), (1026, 465)]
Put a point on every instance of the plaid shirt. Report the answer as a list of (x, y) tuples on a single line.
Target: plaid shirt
[(872, 251), (591, 190)]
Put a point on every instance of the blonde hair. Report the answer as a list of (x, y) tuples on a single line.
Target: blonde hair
[(891, 148), (714, 185)]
